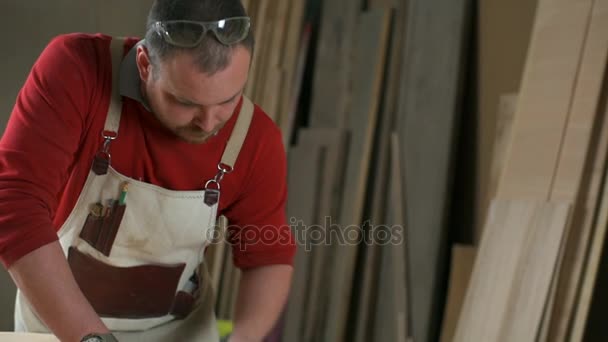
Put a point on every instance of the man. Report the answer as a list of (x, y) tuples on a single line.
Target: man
[(110, 182)]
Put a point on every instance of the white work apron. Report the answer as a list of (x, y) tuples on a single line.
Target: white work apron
[(149, 232)]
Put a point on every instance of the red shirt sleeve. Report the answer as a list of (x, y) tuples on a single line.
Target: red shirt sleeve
[(39, 145), (258, 228)]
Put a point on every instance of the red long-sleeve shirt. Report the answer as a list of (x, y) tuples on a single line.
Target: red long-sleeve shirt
[(54, 132)]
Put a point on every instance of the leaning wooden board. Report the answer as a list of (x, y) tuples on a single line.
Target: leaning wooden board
[(432, 69), (571, 175), (379, 174), (333, 64), (598, 219), (302, 181), (332, 144), (545, 98), (370, 52), (511, 276)]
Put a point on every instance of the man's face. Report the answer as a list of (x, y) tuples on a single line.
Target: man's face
[(191, 104)]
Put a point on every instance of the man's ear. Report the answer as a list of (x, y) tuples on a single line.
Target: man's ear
[(144, 64)]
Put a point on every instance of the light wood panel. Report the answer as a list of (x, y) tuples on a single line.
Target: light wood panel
[(599, 222), (574, 158), (550, 73), (511, 276)]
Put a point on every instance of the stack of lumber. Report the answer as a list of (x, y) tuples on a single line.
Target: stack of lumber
[(535, 272), (385, 104)]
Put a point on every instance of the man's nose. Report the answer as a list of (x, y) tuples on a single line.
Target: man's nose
[(206, 119)]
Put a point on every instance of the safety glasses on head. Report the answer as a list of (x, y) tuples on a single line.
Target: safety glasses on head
[(188, 34)]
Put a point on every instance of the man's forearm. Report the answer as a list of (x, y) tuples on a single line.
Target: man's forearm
[(45, 279), (261, 298)]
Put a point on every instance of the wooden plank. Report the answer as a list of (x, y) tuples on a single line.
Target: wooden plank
[(303, 185), (379, 174), (550, 73), (333, 65), (268, 22), (332, 143), (390, 322), (463, 258), (428, 116), (258, 14), (214, 256), (503, 29), (597, 240), (511, 276), (370, 55), (574, 158), (225, 294), (293, 59), (294, 82), (504, 133)]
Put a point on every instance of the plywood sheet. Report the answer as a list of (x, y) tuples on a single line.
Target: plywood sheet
[(511, 276)]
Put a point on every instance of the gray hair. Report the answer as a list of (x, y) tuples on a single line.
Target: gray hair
[(211, 56)]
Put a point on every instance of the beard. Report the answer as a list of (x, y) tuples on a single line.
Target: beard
[(195, 135)]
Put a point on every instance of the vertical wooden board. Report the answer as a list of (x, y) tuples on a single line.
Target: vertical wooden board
[(463, 258), (511, 276), (292, 61), (596, 219), (503, 30), (290, 95), (268, 22), (234, 293), (428, 116), (504, 130), (530, 289), (301, 211), (574, 159), (379, 174), (333, 66), (214, 257), (398, 248), (332, 143), (224, 294), (257, 13), (550, 73), (372, 36)]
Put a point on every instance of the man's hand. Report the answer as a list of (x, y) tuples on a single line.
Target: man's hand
[(46, 280), (262, 294)]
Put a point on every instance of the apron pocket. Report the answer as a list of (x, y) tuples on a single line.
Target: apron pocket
[(126, 292), (100, 231)]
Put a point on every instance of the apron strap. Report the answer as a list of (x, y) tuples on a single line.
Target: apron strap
[(115, 109), (239, 133)]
